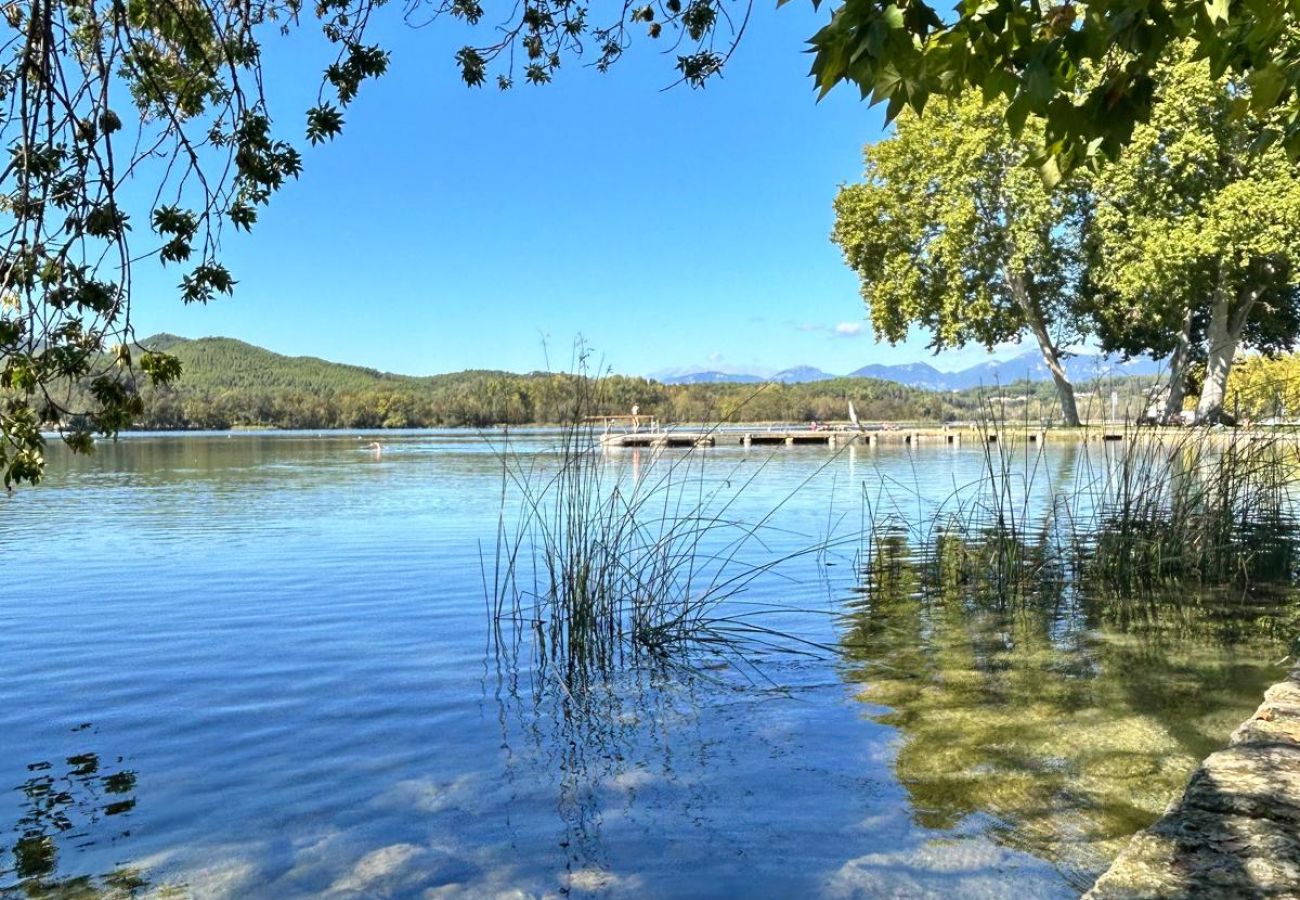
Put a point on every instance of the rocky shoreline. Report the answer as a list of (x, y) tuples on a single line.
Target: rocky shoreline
[(1235, 832)]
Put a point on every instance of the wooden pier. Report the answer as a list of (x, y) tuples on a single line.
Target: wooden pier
[(659, 439), (826, 437), (951, 436)]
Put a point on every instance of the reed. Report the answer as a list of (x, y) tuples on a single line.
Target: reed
[(610, 558), (1131, 515)]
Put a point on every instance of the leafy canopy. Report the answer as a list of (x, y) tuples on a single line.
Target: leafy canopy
[(1196, 207), (947, 224), (1085, 70)]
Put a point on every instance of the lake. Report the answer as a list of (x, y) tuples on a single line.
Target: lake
[(261, 665)]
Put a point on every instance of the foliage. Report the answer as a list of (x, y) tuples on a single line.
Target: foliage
[(1086, 72), (1182, 248), (140, 130), (129, 124), (948, 231), (1264, 387), (1193, 228)]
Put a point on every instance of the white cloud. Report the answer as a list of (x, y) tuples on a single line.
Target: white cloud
[(839, 329)]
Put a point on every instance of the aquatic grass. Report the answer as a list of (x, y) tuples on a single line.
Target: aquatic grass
[(610, 557), (1152, 506)]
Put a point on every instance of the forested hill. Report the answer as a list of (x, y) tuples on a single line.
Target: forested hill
[(228, 383), (220, 362)]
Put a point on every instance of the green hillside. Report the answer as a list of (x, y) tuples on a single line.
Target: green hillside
[(219, 362), (228, 383)]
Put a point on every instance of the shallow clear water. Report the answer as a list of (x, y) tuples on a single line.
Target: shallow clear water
[(259, 665)]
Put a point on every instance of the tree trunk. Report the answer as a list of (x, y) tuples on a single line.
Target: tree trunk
[(1178, 371), (1051, 355), (1226, 324)]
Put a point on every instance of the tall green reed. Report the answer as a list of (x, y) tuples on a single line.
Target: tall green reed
[(1145, 508), (606, 557)]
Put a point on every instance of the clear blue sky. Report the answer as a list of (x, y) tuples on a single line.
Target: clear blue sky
[(451, 228)]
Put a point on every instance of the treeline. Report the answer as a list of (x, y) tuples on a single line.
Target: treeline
[(227, 384), (482, 399)]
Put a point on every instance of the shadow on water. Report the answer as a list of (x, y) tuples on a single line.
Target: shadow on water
[(1064, 721), (66, 809)]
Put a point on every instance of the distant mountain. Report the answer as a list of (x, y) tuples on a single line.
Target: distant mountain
[(801, 375), (712, 378), (796, 375), (922, 375), (218, 363), (1027, 366)]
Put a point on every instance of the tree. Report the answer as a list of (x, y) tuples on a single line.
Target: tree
[(949, 231), (1191, 241), (1085, 72), (119, 120), (1266, 387)]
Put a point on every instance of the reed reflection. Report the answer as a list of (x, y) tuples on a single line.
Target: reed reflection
[(631, 746)]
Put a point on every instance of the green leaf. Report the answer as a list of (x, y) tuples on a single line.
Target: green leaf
[(1049, 170), (1266, 87)]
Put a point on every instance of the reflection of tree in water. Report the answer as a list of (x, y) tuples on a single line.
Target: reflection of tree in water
[(68, 807), (1067, 721), (633, 735)]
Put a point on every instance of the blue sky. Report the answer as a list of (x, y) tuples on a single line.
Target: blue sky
[(451, 228)]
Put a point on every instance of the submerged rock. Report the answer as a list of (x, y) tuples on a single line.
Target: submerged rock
[(1235, 832)]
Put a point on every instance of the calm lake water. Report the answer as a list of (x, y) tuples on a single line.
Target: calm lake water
[(260, 665)]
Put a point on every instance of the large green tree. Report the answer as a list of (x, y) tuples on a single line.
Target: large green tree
[(1191, 241), (949, 231)]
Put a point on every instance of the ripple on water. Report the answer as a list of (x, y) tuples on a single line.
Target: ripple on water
[(280, 643)]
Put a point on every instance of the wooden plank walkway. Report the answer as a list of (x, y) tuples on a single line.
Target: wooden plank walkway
[(659, 439), (1236, 830), (931, 436)]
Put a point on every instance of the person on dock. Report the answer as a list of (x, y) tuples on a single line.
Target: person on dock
[(636, 417)]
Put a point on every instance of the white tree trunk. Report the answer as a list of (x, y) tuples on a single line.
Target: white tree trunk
[(1178, 370), (1226, 324), (1051, 356), (1064, 388)]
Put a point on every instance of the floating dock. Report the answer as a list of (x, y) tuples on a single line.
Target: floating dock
[(660, 439), (955, 435)]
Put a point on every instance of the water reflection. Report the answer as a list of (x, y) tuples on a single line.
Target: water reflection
[(636, 738), (1063, 724), (67, 808)]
